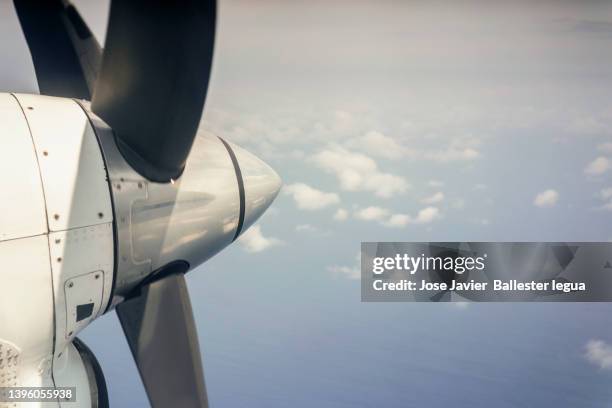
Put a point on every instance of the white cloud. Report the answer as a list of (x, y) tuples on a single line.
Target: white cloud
[(309, 198), (358, 172), (372, 214), (254, 241), (398, 221), (343, 122), (333, 125), (546, 198), (433, 199), (427, 215), (386, 218), (598, 166), (599, 353), (605, 147), (606, 195), (350, 272), (460, 305), (453, 154), (341, 215), (435, 183), (380, 145)]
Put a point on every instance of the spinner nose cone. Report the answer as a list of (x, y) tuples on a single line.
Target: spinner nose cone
[(261, 185)]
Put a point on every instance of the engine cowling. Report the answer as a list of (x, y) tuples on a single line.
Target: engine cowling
[(81, 230)]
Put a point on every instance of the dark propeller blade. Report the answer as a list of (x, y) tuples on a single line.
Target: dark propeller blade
[(65, 54), (161, 333), (153, 81)]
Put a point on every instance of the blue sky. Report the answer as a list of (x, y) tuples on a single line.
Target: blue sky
[(395, 121)]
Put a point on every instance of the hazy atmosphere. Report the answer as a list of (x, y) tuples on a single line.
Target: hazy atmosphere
[(394, 121)]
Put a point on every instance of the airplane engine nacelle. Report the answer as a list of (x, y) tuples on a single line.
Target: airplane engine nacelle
[(80, 229), (171, 227), (56, 237)]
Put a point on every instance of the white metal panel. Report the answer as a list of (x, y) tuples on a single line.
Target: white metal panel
[(26, 307), (69, 371), (195, 217), (71, 164), (77, 253), (22, 208), (83, 291)]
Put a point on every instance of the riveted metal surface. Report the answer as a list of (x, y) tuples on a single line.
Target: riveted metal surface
[(71, 165), (26, 321), (22, 209), (85, 289), (127, 186), (189, 219), (74, 253)]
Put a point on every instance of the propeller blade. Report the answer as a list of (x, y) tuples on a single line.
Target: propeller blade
[(161, 332), (153, 81), (65, 54)]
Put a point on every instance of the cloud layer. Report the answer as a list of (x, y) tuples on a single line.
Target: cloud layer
[(341, 215), (598, 166), (599, 353), (309, 198), (396, 220), (546, 198), (358, 172), (433, 199), (254, 241)]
